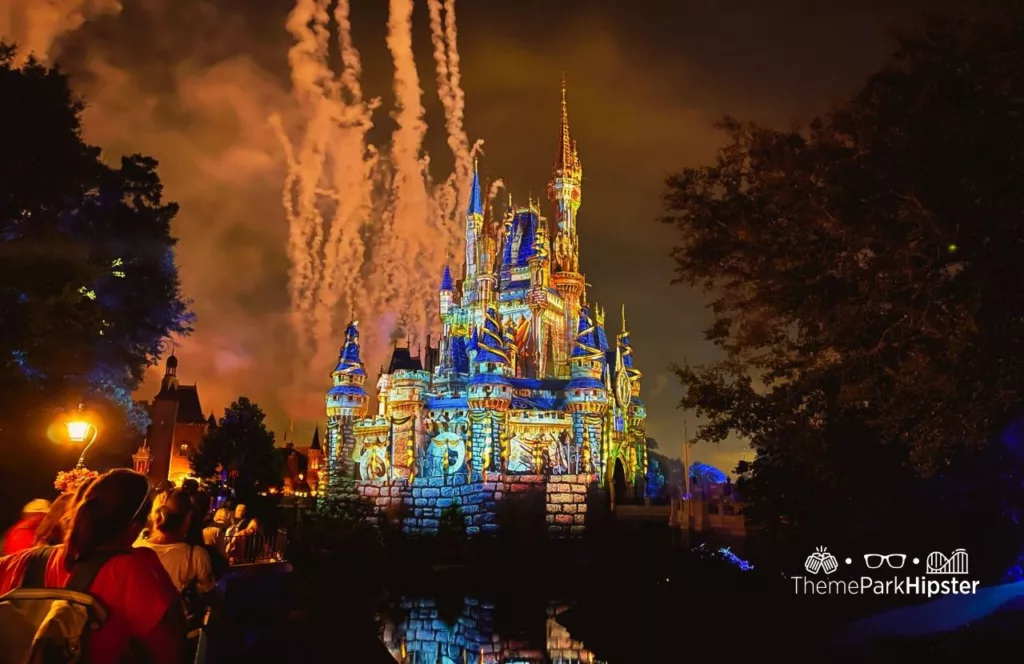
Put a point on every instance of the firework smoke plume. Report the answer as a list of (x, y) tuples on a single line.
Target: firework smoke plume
[(369, 227)]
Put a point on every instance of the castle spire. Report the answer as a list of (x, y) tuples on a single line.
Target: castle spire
[(476, 205), (567, 162)]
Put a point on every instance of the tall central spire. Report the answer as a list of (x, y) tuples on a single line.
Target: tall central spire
[(567, 162)]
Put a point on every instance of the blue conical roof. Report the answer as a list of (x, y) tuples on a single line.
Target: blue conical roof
[(446, 280), (586, 346), (458, 358), (476, 202), (349, 361), (627, 356), (602, 339), (490, 345)]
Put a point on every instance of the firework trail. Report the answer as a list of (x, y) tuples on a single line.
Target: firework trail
[(368, 226)]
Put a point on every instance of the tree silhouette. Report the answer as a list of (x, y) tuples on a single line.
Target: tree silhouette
[(88, 283), (240, 451), (859, 270)]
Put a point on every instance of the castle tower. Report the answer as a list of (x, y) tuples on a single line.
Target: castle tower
[(315, 465), (631, 409), (346, 402), (170, 379), (565, 191), (489, 391), (453, 371), (627, 357), (474, 235), (586, 396), (446, 296)]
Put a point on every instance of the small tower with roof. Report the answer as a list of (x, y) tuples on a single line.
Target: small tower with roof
[(315, 461), (489, 391), (446, 294), (346, 402), (142, 459), (474, 236), (586, 395)]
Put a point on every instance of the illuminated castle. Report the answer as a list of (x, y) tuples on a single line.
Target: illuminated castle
[(523, 393)]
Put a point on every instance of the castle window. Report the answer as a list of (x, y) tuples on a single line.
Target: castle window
[(183, 450)]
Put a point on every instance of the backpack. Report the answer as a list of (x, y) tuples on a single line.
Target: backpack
[(40, 625)]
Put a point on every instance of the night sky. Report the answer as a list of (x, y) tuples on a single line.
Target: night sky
[(193, 83)]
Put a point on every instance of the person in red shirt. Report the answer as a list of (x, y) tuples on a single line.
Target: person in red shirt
[(144, 609), (22, 535)]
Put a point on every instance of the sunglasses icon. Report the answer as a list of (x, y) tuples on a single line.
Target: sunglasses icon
[(893, 560)]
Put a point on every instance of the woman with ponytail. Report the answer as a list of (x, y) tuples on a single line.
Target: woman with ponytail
[(185, 564), (144, 613)]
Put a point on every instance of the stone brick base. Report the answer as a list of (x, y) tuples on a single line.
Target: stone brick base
[(418, 505)]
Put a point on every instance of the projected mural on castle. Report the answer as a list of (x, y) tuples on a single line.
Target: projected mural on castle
[(523, 391)]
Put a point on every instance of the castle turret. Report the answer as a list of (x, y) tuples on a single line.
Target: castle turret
[(446, 294), (346, 402), (453, 371), (627, 357), (585, 392), (170, 379), (474, 236), (489, 387), (565, 191), (315, 465)]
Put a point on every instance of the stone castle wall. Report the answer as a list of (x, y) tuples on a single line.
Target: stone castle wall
[(419, 505)]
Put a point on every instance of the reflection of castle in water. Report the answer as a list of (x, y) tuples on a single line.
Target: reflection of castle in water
[(422, 637)]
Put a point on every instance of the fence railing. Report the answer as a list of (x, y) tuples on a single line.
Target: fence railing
[(256, 548)]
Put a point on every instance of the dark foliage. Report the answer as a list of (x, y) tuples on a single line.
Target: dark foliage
[(88, 284), (240, 452), (865, 278)]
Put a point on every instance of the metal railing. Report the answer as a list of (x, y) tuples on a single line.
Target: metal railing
[(256, 548)]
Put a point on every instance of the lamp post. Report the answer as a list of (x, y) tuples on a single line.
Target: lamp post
[(79, 429)]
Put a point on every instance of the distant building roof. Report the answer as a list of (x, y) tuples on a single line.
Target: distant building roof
[(190, 411)]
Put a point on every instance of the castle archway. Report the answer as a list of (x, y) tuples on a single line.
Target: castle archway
[(619, 490)]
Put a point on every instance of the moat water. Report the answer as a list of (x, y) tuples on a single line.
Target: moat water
[(470, 630)]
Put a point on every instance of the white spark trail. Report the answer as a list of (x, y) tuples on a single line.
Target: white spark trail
[(368, 225)]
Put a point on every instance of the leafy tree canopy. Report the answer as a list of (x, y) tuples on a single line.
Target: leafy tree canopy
[(88, 283), (865, 283), (240, 450)]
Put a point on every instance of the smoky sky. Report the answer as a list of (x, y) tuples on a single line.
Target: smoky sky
[(193, 84)]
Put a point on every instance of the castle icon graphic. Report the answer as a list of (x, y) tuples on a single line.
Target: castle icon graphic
[(940, 563)]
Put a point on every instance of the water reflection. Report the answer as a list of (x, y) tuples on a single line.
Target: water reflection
[(417, 633)]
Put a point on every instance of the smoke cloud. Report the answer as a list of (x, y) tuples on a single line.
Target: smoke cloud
[(278, 171), (35, 25)]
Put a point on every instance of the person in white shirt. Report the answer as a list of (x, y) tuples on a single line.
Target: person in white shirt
[(186, 564)]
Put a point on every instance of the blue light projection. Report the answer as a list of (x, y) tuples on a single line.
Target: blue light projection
[(705, 473), (724, 554)]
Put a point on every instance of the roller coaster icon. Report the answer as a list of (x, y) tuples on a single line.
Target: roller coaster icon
[(939, 563)]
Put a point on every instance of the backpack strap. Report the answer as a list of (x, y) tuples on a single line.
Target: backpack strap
[(86, 570), (35, 570)]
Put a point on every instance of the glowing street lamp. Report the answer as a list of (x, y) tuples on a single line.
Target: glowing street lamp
[(79, 429)]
